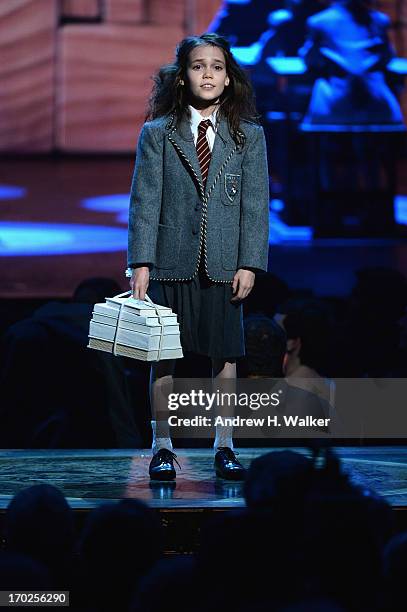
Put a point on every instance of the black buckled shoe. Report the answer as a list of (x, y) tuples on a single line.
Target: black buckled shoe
[(162, 465), (227, 466)]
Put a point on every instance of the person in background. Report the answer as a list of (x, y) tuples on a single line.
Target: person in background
[(307, 324), (348, 48), (39, 524)]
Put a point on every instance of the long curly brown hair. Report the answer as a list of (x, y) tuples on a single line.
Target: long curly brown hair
[(169, 97)]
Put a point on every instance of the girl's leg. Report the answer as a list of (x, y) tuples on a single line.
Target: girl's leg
[(224, 370), (161, 383)]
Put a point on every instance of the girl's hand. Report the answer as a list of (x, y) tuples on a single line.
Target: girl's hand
[(243, 282), (139, 282)]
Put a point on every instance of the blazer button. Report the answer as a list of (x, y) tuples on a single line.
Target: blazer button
[(198, 207), (195, 230)]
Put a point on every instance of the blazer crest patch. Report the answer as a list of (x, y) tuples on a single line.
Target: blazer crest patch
[(232, 184)]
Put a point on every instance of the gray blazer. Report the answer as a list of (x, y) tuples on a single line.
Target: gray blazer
[(174, 221)]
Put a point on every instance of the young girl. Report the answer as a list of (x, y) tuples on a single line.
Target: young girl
[(198, 225)]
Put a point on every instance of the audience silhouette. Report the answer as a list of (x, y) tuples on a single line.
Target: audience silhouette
[(39, 524), (120, 543)]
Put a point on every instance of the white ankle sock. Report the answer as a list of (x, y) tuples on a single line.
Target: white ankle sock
[(223, 437), (161, 441)]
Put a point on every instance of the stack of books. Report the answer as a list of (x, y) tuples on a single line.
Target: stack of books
[(134, 328)]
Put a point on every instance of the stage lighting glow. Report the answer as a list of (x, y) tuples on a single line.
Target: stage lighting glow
[(400, 209), (12, 192), (287, 65), (24, 239), (398, 65), (276, 205), (282, 233), (114, 203), (248, 56), (28, 239)]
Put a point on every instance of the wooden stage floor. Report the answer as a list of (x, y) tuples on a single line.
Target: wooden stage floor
[(89, 478)]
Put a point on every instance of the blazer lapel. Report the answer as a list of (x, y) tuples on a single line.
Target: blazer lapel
[(223, 149), (183, 141)]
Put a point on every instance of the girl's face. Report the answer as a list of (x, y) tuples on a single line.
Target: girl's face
[(206, 74)]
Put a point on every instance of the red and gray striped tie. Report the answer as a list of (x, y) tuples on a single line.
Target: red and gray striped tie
[(203, 150)]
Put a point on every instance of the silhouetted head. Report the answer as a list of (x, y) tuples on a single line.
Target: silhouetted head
[(277, 478), (120, 542), (39, 523), (307, 324), (171, 585), (344, 537)]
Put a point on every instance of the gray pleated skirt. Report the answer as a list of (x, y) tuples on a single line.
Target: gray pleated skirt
[(210, 324)]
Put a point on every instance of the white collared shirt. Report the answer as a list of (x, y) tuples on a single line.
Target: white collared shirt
[(196, 119)]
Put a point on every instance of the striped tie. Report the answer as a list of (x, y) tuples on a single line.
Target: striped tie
[(203, 149)]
